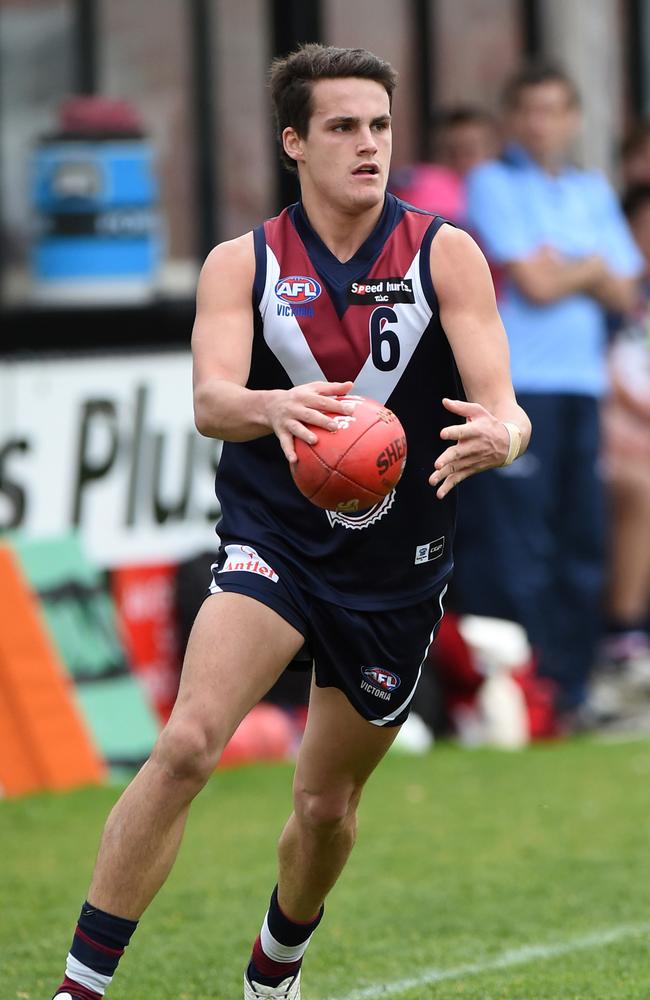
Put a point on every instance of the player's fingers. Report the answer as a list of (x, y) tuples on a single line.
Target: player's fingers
[(469, 451), (452, 481), (446, 458), (295, 429), (334, 388), (447, 487), (455, 432), (316, 417), (463, 407), (329, 405), (461, 464), (286, 443)]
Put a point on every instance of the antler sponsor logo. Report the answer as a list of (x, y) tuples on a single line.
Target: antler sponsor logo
[(244, 559)]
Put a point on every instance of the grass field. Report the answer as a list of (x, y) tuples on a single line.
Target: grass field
[(479, 875)]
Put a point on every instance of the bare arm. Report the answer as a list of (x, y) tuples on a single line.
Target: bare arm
[(617, 293), (222, 341), (545, 277), (469, 316), (631, 401)]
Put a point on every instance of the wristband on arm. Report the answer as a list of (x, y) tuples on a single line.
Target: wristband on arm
[(514, 446)]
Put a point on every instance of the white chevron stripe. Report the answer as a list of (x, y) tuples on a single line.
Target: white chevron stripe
[(412, 321), (285, 338), (283, 334)]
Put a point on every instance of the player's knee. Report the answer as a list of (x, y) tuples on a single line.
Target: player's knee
[(188, 750), (326, 810)]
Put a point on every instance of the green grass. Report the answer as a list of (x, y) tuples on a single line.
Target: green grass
[(461, 857)]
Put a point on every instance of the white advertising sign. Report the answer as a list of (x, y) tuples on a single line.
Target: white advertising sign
[(106, 445)]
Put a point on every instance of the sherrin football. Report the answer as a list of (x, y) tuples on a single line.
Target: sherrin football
[(356, 465)]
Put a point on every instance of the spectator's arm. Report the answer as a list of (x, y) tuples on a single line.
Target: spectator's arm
[(544, 277), (499, 221), (632, 401), (625, 263), (616, 292)]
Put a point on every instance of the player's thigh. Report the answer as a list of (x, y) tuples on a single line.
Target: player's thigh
[(237, 649), (340, 749)]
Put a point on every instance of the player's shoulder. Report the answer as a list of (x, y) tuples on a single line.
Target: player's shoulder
[(457, 264), (235, 252), (232, 258), (228, 272), (454, 245)]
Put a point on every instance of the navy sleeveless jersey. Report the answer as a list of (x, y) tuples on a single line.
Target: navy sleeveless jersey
[(373, 320)]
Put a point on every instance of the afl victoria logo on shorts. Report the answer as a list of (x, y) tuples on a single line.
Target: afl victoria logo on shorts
[(379, 681), (383, 678), (297, 289)]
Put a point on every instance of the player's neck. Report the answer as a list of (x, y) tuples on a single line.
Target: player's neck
[(341, 232)]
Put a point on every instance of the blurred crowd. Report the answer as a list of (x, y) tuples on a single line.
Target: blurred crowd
[(557, 544)]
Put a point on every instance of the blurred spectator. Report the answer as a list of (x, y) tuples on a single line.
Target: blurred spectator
[(635, 155), (431, 187), (625, 666), (537, 555), (466, 137)]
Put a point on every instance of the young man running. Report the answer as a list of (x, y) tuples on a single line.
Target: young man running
[(348, 290)]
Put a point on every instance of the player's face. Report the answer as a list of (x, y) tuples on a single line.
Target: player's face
[(545, 120), (345, 156)]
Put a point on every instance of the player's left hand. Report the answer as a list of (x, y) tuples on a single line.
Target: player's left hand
[(480, 443)]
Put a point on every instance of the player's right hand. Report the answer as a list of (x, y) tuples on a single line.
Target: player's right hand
[(292, 413)]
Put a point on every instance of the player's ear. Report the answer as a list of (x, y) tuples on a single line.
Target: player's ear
[(292, 144)]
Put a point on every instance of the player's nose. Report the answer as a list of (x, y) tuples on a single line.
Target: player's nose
[(367, 142)]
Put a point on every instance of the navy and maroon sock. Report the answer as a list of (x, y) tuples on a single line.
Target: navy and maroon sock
[(97, 946), (280, 946)]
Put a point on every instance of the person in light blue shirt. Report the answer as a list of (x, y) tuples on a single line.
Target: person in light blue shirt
[(565, 255)]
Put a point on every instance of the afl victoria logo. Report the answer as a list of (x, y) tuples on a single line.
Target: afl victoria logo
[(384, 679), (297, 289)]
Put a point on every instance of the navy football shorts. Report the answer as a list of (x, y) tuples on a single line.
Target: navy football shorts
[(374, 657)]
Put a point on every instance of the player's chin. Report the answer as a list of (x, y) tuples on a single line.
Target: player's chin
[(368, 197)]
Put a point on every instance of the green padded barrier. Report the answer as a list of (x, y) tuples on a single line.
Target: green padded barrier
[(80, 616)]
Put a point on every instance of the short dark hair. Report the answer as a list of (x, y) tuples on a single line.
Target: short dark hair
[(464, 114), (536, 74), (636, 197), (291, 79)]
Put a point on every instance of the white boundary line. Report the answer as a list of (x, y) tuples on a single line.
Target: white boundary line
[(514, 956)]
